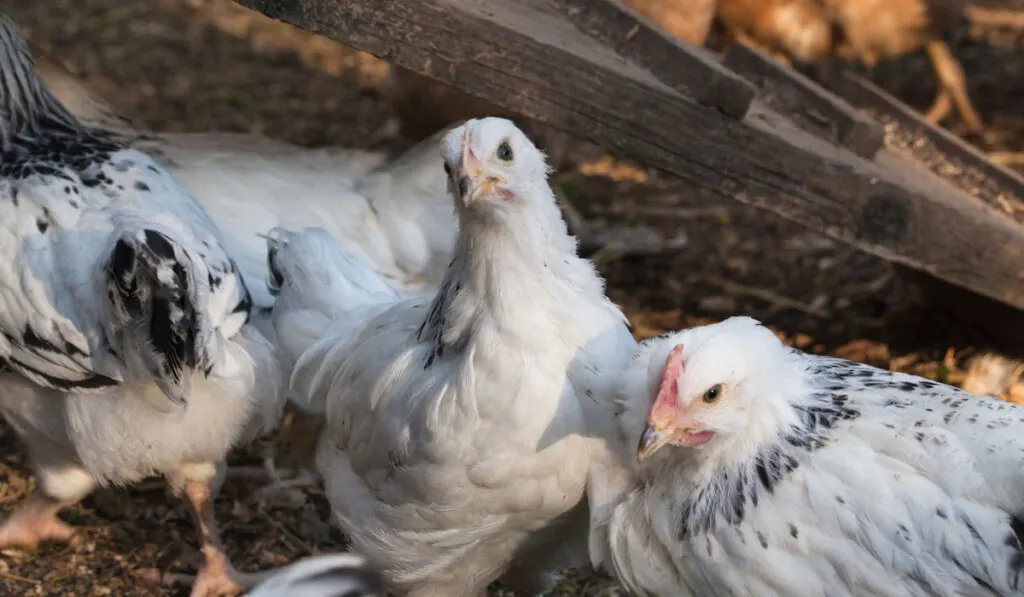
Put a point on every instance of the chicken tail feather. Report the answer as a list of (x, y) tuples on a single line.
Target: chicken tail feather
[(334, 575), (156, 304)]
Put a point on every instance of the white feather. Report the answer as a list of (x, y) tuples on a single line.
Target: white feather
[(323, 294), (391, 212)]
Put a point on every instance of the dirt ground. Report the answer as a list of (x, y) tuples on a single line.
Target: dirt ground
[(202, 65)]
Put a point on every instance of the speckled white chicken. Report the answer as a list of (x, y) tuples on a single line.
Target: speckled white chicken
[(463, 430), (123, 322), (767, 471)]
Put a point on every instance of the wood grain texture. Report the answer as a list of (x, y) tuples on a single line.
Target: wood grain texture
[(866, 94), (528, 57), (689, 69), (811, 107)]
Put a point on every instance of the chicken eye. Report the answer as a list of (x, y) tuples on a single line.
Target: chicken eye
[(505, 152), (713, 393)]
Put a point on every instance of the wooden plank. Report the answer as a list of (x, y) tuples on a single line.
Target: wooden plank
[(686, 68), (526, 57), (811, 107), (864, 93)]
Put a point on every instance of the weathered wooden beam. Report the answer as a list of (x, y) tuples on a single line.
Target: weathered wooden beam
[(730, 85), (810, 106), (865, 94), (526, 56), (683, 67)]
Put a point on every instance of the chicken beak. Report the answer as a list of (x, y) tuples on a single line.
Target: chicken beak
[(660, 430), (657, 435), (468, 173), (470, 177), (652, 440)]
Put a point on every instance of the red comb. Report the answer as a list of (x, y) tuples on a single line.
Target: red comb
[(668, 390)]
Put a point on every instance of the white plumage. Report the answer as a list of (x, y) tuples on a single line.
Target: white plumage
[(333, 575), (322, 291), (123, 322), (462, 429), (767, 471), (392, 211)]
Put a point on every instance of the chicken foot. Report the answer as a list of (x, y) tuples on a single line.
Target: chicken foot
[(953, 91), (300, 479), (59, 484), (952, 88), (34, 522), (528, 582)]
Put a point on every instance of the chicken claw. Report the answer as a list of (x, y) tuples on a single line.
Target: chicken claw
[(35, 522), (217, 577)]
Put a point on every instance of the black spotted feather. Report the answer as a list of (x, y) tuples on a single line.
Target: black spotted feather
[(726, 498)]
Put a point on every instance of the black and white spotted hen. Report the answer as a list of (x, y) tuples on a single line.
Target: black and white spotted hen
[(123, 322), (767, 471)]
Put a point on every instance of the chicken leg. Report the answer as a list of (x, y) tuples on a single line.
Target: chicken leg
[(994, 17), (197, 485), (217, 577), (952, 88), (1009, 159)]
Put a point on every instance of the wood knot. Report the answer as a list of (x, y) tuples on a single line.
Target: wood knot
[(885, 217)]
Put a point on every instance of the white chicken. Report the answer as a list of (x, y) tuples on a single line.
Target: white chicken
[(123, 322), (767, 471), (333, 575), (463, 430), (393, 211)]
